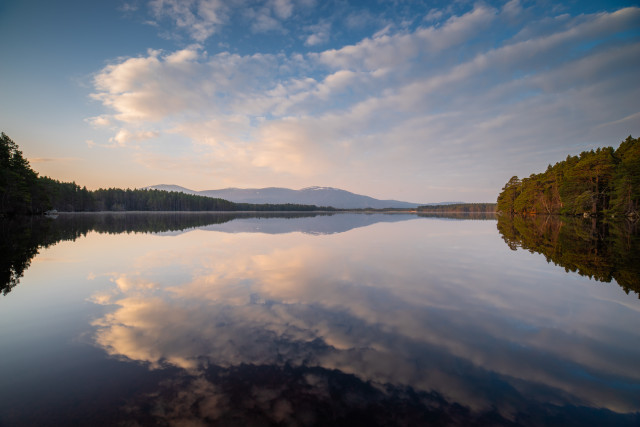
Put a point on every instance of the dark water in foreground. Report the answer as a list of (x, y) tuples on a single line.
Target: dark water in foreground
[(345, 319)]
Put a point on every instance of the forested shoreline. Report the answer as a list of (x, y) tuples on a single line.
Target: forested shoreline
[(595, 183), (462, 208), (23, 192)]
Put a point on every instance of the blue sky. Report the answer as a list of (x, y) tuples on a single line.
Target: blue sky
[(423, 101)]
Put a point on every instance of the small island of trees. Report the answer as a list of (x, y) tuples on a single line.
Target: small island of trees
[(595, 183)]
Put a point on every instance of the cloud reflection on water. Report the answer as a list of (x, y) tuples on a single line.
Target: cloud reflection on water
[(433, 305)]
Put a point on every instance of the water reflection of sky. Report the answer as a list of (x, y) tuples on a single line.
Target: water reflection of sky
[(426, 303), (434, 305)]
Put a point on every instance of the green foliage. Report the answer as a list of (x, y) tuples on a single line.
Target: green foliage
[(509, 194), (604, 181), (625, 196), (20, 190), (462, 208)]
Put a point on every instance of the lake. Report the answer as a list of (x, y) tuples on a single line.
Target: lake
[(318, 319)]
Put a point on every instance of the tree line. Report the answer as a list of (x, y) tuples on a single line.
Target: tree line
[(600, 182), (464, 208), (23, 192)]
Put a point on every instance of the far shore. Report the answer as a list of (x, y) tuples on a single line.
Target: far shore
[(364, 211)]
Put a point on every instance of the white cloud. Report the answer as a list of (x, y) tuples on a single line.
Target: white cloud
[(125, 136), (360, 19), (434, 15), (100, 121), (262, 21), (386, 50), (320, 34), (512, 8), (283, 9), (422, 103), (199, 18)]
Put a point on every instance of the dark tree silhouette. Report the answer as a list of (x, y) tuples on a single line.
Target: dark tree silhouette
[(21, 191)]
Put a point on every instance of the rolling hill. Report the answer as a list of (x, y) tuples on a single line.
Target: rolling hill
[(319, 196)]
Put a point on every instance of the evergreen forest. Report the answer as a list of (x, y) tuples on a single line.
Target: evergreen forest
[(597, 182), (23, 192), (461, 208)]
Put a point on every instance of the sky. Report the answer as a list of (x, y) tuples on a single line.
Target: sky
[(422, 101)]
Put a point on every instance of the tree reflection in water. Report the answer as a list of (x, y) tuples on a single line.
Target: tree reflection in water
[(601, 250), (21, 238)]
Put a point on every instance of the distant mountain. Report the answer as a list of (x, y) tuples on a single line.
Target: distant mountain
[(176, 188), (319, 196)]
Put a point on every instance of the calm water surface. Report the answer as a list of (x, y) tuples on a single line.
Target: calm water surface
[(309, 320)]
